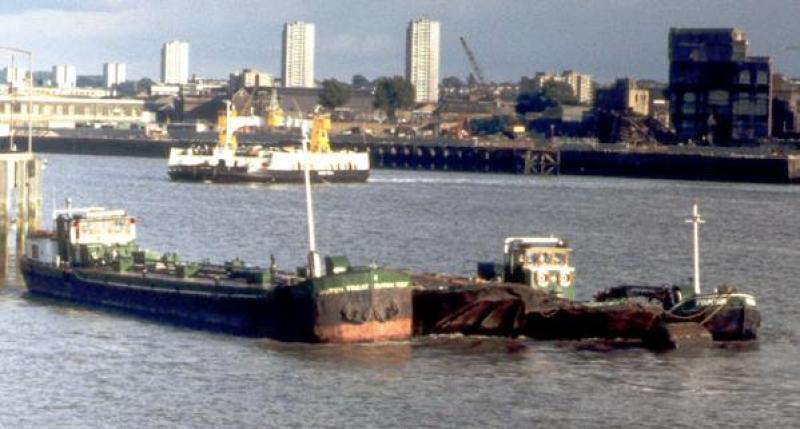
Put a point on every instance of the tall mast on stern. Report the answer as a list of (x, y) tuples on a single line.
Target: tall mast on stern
[(696, 220)]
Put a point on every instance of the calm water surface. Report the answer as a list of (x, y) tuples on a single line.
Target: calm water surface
[(69, 367)]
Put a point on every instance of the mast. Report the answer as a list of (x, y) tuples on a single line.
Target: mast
[(228, 130), (12, 78), (30, 102), (314, 265), (696, 220)]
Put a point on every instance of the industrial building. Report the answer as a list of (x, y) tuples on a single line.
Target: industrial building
[(250, 79), (69, 112), (786, 106), (718, 94), (297, 55), (581, 83), (422, 59)]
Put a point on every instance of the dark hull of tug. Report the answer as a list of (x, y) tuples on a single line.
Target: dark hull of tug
[(286, 313), (725, 324), (219, 174)]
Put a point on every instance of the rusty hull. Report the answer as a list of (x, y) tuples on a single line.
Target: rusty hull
[(447, 305)]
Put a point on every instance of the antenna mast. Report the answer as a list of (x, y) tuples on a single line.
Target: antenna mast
[(696, 220)]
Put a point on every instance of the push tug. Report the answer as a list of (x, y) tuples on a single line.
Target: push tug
[(729, 315)]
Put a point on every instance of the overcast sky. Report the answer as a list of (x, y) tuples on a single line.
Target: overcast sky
[(511, 38)]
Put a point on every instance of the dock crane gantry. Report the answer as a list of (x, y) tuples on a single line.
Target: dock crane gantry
[(476, 69)]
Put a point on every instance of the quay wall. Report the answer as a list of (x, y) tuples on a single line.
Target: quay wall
[(683, 166), (106, 146), (451, 155)]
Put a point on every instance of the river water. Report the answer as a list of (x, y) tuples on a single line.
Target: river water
[(73, 367)]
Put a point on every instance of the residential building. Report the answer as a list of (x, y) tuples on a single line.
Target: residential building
[(175, 62), (297, 55), (581, 83), (13, 75), (422, 59), (718, 94), (91, 81), (65, 76), (113, 74), (625, 95), (250, 78)]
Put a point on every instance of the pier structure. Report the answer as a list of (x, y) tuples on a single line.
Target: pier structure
[(420, 155), (20, 170), (20, 200)]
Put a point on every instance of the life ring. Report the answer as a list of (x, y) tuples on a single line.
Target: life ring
[(541, 278), (350, 313), (388, 313), (565, 279)]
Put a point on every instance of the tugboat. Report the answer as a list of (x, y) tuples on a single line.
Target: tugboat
[(540, 262), (727, 314), (91, 257), (227, 162)]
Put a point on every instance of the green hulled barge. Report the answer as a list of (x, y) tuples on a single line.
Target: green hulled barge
[(91, 257)]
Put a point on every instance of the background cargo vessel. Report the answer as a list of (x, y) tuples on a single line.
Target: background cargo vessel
[(227, 162)]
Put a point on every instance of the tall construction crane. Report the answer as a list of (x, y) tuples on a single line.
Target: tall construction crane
[(476, 69)]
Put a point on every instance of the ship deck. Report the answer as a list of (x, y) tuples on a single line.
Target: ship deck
[(209, 276)]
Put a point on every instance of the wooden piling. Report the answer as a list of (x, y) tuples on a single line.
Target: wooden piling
[(20, 200)]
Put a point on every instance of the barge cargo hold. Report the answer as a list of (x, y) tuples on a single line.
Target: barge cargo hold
[(92, 258)]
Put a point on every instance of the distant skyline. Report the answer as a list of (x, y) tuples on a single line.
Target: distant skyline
[(510, 38)]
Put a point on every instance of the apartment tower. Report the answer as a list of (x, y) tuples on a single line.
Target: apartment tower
[(297, 55), (65, 76), (113, 74), (175, 62), (422, 59)]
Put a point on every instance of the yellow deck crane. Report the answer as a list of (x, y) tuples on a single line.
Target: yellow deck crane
[(229, 121)]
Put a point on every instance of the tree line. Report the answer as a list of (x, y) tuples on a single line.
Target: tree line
[(390, 93)]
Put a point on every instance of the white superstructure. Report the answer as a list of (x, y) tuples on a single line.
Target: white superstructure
[(227, 161), (259, 159)]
